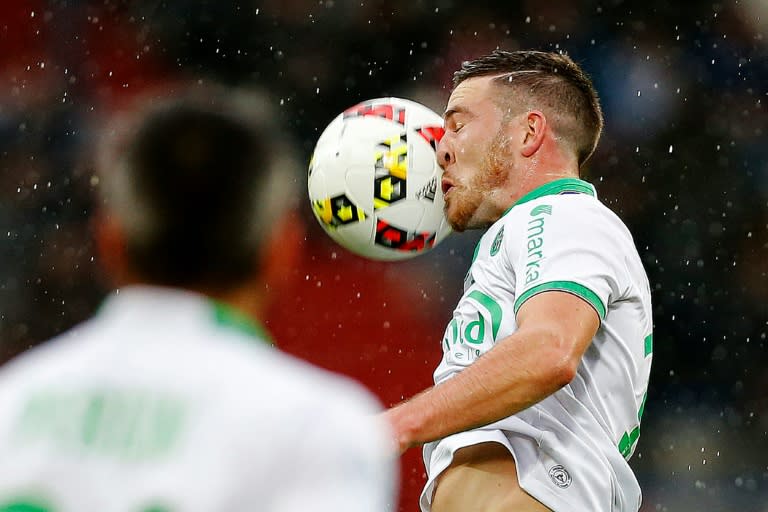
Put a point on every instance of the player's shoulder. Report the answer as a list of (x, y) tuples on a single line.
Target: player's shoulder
[(44, 360), (571, 203), (306, 382), (241, 360)]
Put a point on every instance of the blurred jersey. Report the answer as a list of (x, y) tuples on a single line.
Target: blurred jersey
[(570, 448), (167, 401)]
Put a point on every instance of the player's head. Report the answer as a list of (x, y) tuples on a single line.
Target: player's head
[(511, 114), (189, 195)]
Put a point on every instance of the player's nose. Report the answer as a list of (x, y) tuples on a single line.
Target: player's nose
[(444, 152)]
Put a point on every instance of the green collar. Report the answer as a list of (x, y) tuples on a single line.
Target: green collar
[(228, 317), (561, 186)]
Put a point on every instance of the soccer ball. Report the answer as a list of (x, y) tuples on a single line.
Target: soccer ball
[(374, 182)]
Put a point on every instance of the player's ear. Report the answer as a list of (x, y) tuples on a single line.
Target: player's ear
[(535, 126), (110, 247)]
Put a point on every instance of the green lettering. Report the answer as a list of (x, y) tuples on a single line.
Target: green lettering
[(537, 253), (476, 327), (127, 424), (531, 276), (492, 307), (535, 227), (535, 243)]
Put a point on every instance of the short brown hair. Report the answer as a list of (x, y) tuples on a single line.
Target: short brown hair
[(551, 81)]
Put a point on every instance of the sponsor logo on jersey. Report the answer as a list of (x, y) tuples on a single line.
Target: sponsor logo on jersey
[(535, 242), (560, 476)]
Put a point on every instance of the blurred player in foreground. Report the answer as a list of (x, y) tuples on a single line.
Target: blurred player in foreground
[(545, 367), (172, 398)]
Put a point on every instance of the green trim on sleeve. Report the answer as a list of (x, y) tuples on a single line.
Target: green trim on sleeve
[(564, 286), (642, 407), (649, 344)]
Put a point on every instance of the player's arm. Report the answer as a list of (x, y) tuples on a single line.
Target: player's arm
[(555, 329)]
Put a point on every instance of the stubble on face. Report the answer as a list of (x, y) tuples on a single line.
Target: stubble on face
[(473, 204)]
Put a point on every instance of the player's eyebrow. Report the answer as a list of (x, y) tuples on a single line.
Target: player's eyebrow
[(452, 111)]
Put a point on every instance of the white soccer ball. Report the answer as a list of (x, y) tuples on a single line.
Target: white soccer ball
[(374, 182)]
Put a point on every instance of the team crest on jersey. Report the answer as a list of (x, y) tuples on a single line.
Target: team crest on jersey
[(496, 245), (560, 476)]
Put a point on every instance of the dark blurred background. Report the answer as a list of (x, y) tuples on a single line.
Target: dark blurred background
[(684, 161)]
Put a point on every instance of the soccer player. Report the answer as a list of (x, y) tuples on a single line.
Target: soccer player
[(538, 398), (172, 398)]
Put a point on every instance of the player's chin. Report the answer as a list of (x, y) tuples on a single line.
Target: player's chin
[(455, 218)]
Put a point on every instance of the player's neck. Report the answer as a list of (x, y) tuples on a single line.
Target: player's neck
[(546, 170), (246, 298)]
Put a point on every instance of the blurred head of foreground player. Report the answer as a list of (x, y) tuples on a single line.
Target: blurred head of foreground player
[(194, 196)]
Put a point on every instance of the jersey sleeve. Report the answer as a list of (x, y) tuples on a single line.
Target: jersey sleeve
[(343, 461), (570, 246)]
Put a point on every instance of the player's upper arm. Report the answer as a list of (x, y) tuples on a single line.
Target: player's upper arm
[(566, 320)]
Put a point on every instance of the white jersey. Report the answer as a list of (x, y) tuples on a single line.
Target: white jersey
[(570, 448), (169, 402)]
